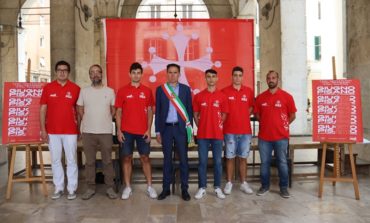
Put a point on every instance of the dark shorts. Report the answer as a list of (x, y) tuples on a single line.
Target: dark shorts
[(127, 147)]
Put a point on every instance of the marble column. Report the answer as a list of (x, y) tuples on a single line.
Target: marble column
[(294, 58)]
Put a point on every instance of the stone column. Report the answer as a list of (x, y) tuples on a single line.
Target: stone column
[(62, 34), (358, 59), (294, 58), (270, 39), (85, 41)]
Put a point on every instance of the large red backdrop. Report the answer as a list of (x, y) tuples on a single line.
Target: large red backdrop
[(194, 44)]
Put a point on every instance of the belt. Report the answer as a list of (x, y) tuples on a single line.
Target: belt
[(172, 123)]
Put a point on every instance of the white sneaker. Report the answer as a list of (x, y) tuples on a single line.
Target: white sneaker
[(71, 195), (151, 192), (246, 188), (57, 194), (126, 193), (219, 193), (228, 188), (200, 194)]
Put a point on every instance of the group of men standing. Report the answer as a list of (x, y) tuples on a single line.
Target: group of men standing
[(222, 116)]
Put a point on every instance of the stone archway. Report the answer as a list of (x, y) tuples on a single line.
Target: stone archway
[(216, 8)]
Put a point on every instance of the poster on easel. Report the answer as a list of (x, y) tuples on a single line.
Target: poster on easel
[(21, 112), (337, 115)]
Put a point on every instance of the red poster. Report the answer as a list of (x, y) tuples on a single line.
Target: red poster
[(337, 111), (21, 112), (195, 44)]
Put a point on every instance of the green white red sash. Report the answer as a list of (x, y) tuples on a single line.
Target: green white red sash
[(180, 108)]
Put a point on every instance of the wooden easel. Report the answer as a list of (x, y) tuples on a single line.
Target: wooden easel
[(29, 178), (336, 169)]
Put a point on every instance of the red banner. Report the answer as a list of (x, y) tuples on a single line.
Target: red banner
[(337, 110), (195, 44), (21, 112)]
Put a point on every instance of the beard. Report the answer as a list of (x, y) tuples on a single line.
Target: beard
[(272, 85), (96, 82)]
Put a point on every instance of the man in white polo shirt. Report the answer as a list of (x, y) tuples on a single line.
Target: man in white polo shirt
[(96, 108)]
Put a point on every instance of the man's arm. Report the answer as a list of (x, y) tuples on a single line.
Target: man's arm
[(44, 134), (157, 115), (120, 136), (112, 110), (196, 118), (291, 117), (223, 117), (147, 134)]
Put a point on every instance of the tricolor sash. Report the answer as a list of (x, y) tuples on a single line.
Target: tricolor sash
[(180, 108)]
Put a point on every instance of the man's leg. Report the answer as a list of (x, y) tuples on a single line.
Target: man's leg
[(182, 149), (106, 142), (203, 145), (126, 153), (242, 151), (230, 149), (167, 144), (217, 166), (90, 143), (55, 148), (265, 149), (70, 149), (217, 161), (144, 150), (280, 148)]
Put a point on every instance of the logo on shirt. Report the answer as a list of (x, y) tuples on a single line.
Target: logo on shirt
[(204, 104), (264, 104), (278, 104), (53, 95), (216, 104), (68, 94), (244, 98), (142, 95), (232, 98), (129, 96)]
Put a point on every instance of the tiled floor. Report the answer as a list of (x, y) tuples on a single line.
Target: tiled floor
[(337, 205)]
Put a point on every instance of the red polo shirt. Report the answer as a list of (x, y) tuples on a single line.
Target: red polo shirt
[(274, 110), (210, 105), (61, 115), (134, 102), (240, 102)]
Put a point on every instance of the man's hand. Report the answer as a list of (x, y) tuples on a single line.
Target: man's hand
[(44, 136), (120, 136), (159, 139), (147, 136)]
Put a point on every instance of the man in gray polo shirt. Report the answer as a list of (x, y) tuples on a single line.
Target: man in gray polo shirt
[(96, 108)]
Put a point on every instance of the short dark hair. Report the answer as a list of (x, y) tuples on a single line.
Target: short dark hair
[(62, 62), (135, 66), (210, 71), (173, 65), (237, 68), (96, 65), (272, 71)]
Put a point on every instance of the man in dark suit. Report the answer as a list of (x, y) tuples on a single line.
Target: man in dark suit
[(172, 127)]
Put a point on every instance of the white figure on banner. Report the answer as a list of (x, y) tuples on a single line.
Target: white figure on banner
[(180, 41)]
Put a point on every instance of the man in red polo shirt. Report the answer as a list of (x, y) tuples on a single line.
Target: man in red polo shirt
[(58, 119), (275, 110), (134, 116), (237, 129), (210, 109)]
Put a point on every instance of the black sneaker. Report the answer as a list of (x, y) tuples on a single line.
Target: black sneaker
[(262, 191), (284, 193)]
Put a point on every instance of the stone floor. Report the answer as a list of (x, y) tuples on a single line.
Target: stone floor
[(337, 205)]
